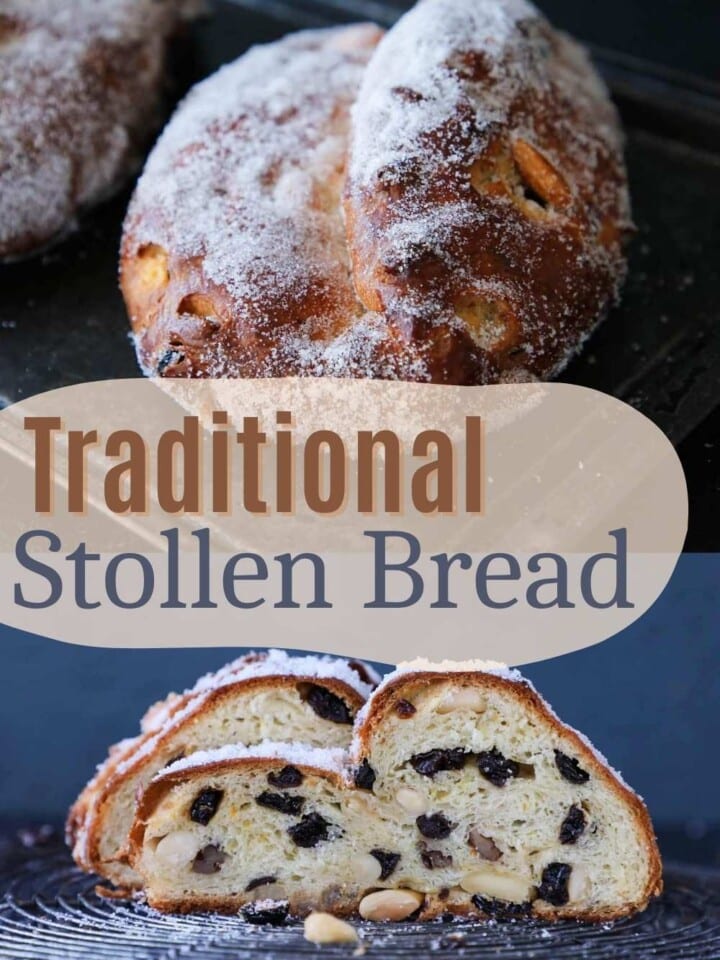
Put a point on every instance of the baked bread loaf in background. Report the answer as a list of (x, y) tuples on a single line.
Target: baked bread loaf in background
[(259, 696), (463, 793), (80, 91), (445, 204)]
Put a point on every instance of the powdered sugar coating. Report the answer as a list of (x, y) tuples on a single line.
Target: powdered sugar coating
[(441, 213), (242, 192), (79, 89), (296, 754)]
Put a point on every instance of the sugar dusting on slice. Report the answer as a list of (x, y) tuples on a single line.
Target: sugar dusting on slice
[(296, 754)]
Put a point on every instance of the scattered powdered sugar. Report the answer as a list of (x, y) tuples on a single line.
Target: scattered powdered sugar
[(297, 754), (276, 663), (79, 88), (391, 129)]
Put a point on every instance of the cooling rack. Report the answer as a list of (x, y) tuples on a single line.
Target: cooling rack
[(51, 911)]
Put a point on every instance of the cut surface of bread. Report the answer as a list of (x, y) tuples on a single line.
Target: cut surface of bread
[(479, 239), (81, 86), (260, 696), (462, 793)]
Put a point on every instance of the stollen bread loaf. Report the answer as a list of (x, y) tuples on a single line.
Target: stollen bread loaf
[(446, 204), (262, 695), (81, 87), (462, 793)]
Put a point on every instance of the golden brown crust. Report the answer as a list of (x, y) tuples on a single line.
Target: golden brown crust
[(405, 685), (485, 205), (89, 814), (486, 200)]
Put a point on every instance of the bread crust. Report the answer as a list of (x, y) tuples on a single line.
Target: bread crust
[(81, 89), (384, 701), (403, 688), (483, 226), (88, 818)]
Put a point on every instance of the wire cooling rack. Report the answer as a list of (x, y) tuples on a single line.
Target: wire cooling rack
[(50, 911)]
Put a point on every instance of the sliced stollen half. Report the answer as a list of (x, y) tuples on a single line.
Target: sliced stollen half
[(262, 695), (462, 793)]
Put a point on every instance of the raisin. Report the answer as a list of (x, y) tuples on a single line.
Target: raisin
[(497, 768), (405, 709), (259, 882), (286, 778), (388, 862), (208, 860), (274, 913), (554, 886), (432, 762), (326, 705), (435, 859), (570, 769), (502, 909), (435, 827), (573, 826), (205, 806), (365, 776), (310, 831), (282, 802), (169, 359)]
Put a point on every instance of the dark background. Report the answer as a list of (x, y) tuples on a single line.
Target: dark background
[(648, 697)]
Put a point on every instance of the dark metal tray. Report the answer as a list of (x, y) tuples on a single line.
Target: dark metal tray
[(50, 911), (62, 320)]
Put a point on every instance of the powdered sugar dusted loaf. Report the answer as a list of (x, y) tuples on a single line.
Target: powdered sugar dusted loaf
[(80, 87), (480, 237), (462, 793), (263, 695)]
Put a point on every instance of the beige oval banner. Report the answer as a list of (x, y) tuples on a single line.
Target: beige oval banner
[(382, 520)]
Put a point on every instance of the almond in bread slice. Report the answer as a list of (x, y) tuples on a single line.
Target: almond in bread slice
[(463, 792), (260, 696)]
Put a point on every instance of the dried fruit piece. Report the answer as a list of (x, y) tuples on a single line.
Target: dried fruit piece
[(282, 802), (573, 826), (388, 862), (208, 860), (260, 882), (435, 859), (273, 913), (436, 826), (430, 763), (540, 175), (502, 909), (205, 806), (286, 778), (197, 305), (325, 704), (484, 846), (497, 768), (311, 830), (570, 769), (170, 358), (364, 776), (554, 886), (405, 709)]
